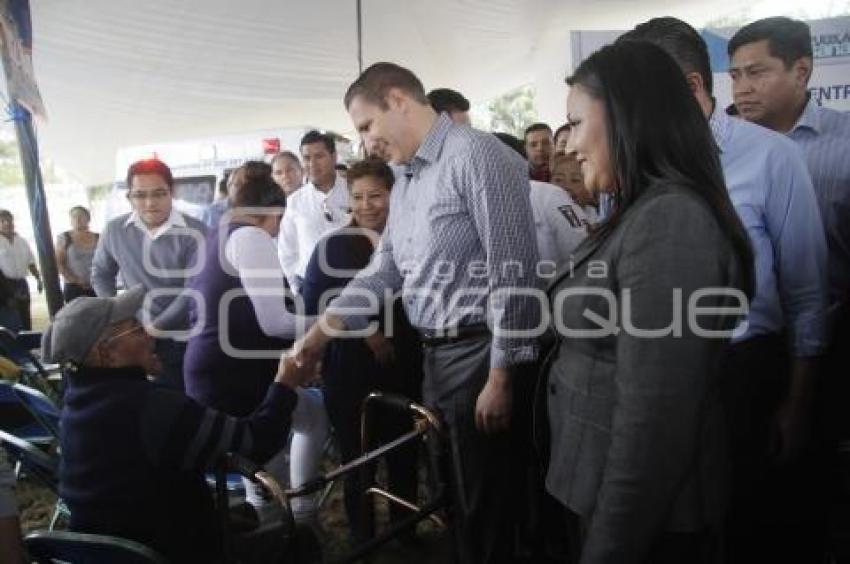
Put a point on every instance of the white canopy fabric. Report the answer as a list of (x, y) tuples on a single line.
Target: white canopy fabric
[(114, 73)]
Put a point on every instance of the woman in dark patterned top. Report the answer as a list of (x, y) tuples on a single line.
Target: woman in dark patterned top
[(245, 325), (353, 367)]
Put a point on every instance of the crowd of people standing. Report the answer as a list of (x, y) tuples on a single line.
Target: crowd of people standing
[(631, 325)]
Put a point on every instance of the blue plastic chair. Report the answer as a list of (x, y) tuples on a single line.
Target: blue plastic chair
[(40, 407), (12, 347), (32, 460), (16, 418), (18, 348), (79, 548), (29, 340), (37, 464)]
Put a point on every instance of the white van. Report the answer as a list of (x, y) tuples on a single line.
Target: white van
[(199, 164)]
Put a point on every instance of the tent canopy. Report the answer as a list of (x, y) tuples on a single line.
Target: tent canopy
[(114, 73)]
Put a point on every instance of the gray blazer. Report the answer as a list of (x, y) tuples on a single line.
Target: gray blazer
[(637, 440)]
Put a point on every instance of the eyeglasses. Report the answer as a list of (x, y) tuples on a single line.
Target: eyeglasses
[(124, 333), (153, 195)]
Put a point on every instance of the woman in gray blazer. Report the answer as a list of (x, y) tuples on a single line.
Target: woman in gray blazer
[(635, 420)]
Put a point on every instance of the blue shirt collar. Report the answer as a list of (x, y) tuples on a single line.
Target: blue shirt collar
[(809, 119), (721, 127)]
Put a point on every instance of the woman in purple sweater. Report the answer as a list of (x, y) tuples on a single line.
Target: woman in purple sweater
[(241, 309), (231, 361)]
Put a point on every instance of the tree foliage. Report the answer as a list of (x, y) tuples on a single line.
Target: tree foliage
[(514, 111), (11, 173)]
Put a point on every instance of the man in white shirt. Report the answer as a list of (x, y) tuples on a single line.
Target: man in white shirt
[(560, 225), (539, 146), (287, 172), (319, 206), (559, 222), (566, 173), (16, 260)]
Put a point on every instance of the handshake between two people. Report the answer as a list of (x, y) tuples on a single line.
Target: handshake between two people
[(301, 364)]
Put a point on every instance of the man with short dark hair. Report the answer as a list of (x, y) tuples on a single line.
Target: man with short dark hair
[(770, 368), (287, 172), (771, 64), (566, 173), (16, 261), (321, 205), (460, 246), (539, 146), (155, 246), (451, 102)]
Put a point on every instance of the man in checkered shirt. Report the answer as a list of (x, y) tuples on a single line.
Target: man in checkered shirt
[(460, 247)]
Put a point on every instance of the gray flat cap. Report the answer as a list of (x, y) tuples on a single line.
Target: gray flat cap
[(78, 325)]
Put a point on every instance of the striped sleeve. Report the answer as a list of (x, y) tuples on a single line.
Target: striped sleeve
[(500, 208), (181, 434)]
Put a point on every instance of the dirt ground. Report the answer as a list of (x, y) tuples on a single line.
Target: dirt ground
[(37, 503)]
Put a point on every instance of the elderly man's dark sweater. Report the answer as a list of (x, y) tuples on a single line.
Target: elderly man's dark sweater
[(134, 455)]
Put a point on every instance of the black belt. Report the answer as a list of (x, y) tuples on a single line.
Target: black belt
[(447, 335)]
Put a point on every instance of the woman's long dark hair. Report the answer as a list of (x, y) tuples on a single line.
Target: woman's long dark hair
[(657, 133)]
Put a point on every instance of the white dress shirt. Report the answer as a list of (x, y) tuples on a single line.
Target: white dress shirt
[(15, 257), (559, 222), (310, 213), (175, 219)]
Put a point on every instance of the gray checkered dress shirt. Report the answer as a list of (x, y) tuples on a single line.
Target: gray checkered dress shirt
[(459, 244)]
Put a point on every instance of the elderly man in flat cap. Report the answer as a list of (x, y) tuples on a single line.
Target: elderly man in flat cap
[(133, 452)]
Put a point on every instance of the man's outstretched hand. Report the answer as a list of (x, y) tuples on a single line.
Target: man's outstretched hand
[(290, 374), (305, 357)]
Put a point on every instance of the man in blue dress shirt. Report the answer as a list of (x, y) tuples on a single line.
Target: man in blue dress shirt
[(771, 64), (770, 69), (770, 367)]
